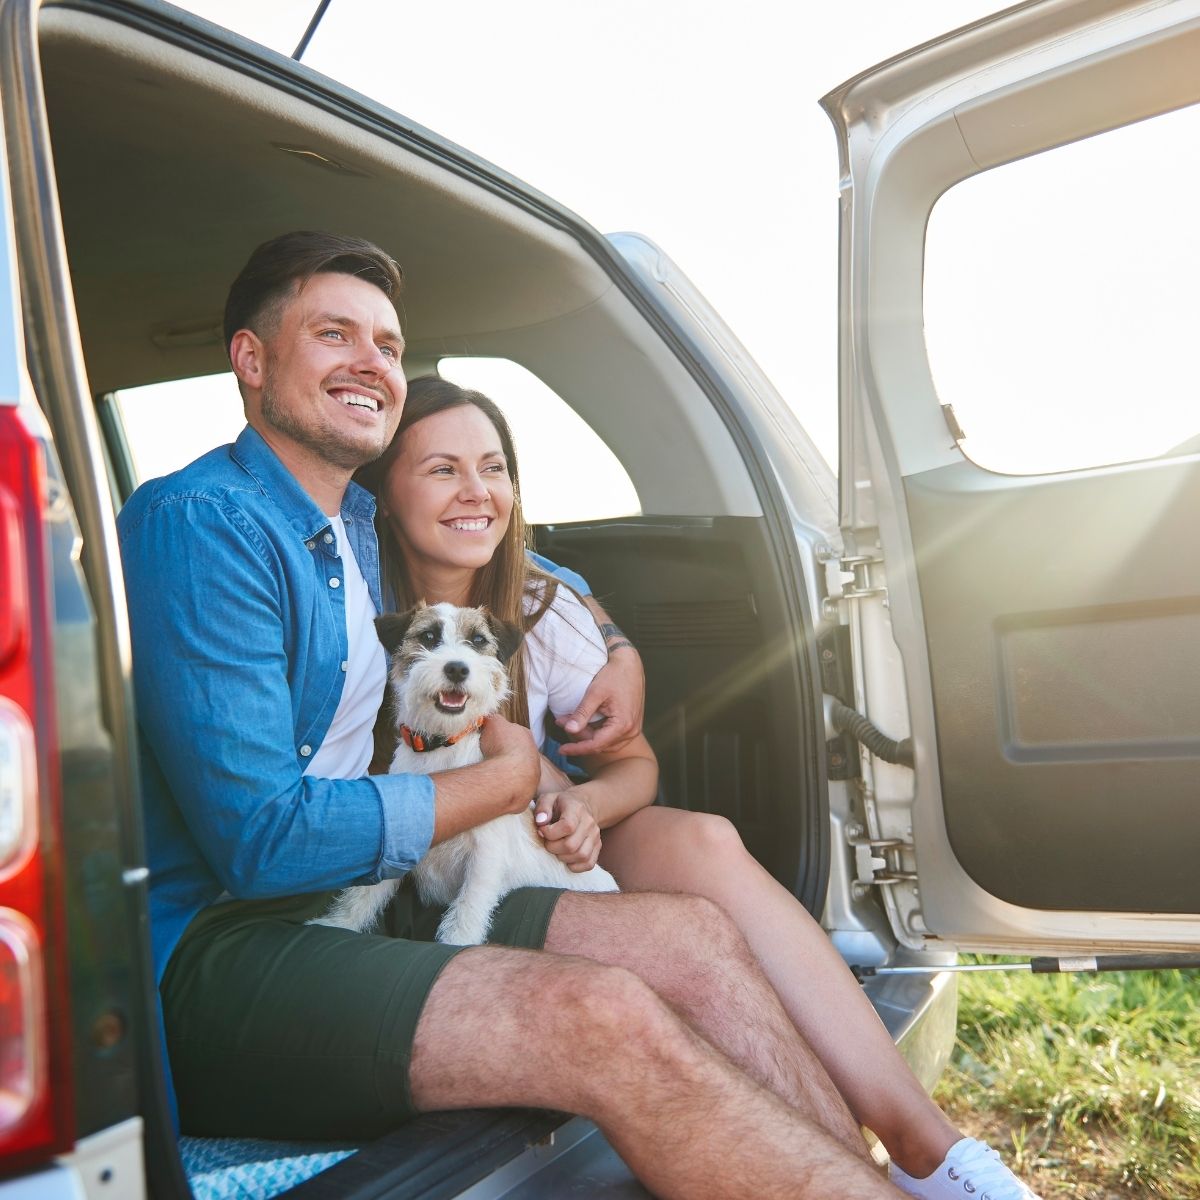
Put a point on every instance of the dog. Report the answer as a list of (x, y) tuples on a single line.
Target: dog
[(446, 675)]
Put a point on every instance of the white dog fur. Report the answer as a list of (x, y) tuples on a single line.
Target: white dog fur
[(446, 673)]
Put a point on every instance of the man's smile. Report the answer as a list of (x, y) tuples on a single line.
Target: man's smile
[(356, 398)]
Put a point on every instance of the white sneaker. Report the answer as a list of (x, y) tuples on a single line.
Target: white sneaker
[(970, 1171)]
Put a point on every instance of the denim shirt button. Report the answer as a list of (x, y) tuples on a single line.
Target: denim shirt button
[(335, 582), (328, 538), (305, 751), (345, 665), (311, 545)]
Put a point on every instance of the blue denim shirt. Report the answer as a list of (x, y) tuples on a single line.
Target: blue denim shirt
[(237, 616)]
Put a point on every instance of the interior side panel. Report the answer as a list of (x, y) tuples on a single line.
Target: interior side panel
[(1063, 622), (722, 707)]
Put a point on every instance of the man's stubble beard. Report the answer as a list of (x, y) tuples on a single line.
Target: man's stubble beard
[(323, 438)]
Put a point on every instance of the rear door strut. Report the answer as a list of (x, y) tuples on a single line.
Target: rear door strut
[(1076, 964)]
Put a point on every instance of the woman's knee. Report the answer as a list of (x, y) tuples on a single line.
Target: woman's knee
[(713, 838)]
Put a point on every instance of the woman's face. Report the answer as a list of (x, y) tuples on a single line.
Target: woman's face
[(447, 494)]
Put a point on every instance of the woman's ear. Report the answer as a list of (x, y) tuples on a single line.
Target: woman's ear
[(508, 637)]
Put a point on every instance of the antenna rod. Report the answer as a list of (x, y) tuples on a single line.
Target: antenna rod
[(312, 28)]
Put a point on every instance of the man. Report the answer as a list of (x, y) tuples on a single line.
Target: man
[(253, 580)]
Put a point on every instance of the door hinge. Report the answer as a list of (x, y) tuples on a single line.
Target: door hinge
[(859, 588), (877, 861)]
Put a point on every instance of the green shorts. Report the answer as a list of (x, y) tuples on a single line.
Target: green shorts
[(278, 1029)]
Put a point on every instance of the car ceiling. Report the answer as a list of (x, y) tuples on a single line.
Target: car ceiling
[(170, 172)]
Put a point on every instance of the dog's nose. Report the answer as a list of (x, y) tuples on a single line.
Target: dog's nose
[(456, 672)]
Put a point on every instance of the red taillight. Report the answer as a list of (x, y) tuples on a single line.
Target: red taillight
[(35, 1100)]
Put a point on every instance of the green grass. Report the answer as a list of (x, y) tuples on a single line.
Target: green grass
[(1092, 1081)]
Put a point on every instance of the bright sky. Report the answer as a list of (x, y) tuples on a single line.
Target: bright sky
[(1058, 317), (693, 122)]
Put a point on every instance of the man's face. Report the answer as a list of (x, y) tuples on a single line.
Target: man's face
[(331, 382)]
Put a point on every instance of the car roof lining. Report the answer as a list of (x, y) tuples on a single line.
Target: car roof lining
[(472, 262), (192, 180)]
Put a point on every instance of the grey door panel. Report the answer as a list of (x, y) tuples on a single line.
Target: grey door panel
[(1063, 623)]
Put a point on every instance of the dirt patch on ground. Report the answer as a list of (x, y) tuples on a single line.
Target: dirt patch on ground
[(1057, 1168)]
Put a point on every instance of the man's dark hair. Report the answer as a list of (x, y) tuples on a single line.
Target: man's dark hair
[(284, 263)]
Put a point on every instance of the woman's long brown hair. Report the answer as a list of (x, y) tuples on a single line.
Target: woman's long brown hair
[(503, 584)]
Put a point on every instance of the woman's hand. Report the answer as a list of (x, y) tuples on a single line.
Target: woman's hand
[(553, 778), (568, 828)]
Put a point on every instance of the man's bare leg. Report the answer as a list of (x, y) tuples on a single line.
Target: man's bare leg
[(696, 852), (691, 954), (516, 1027)]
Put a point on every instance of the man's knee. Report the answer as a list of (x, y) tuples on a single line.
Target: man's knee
[(611, 1006), (702, 927)]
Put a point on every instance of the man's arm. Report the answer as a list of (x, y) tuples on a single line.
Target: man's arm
[(216, 712), (618, 693)]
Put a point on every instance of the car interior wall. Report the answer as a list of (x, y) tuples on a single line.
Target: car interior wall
[(722, 706)]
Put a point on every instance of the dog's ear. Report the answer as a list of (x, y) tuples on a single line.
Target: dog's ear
[(392, 627), (508, 637)]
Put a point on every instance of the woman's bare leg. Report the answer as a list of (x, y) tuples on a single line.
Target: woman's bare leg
[(665, 849)]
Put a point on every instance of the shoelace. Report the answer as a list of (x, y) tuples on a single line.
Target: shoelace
[(984, 1176)]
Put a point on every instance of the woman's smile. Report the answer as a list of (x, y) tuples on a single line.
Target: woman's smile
[(469, 524)]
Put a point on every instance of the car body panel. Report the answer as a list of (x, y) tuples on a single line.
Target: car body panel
[(1047, 676)]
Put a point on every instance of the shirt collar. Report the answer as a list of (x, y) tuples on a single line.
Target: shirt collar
[(302, 513)]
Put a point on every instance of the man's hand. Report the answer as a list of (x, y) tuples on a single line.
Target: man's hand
[(568, 828), (617, 695), (501, 739)]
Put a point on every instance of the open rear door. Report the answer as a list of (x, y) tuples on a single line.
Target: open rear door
[(1020, 488)]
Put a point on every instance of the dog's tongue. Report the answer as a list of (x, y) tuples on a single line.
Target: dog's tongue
[(452, 699)]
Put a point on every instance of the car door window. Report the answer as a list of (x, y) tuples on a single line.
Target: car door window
[(167, 425), (1062, 299), (567, 472)]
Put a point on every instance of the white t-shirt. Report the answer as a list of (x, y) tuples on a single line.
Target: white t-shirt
[(349, 745), (563, 652)]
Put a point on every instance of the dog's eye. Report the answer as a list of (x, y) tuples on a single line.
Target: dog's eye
[(429, 638), (478, 641)]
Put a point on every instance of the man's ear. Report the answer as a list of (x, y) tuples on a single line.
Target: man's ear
[(392, 627), (246, 358), (508, 637)]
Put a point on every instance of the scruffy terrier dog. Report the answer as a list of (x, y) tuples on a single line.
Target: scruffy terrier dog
[(447, 674)]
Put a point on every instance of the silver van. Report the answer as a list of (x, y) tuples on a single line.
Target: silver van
[(951, 706)]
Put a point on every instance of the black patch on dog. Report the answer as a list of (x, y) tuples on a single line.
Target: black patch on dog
[(392, 628), (508, 638)]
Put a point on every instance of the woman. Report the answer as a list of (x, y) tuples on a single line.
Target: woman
[(451, 529)]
